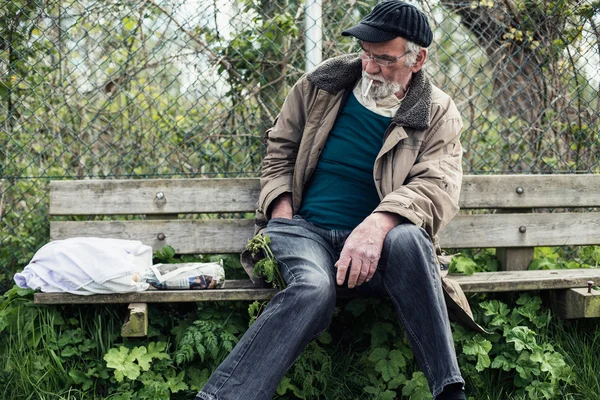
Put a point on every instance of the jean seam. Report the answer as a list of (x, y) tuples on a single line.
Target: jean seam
[(283, 293), (412, 334), (206, 396), (446, 382)]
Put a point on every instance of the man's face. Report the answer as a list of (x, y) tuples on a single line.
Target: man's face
[(394, 78)]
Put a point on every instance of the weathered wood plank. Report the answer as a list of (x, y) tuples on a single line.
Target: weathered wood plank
[(501, 191), (576, 303), (137, 321), (180, 196), (158, 296), (153, 196), (514, 259), (519, 230), (502, 281), (186, 236), (514, 281), (231, 236)]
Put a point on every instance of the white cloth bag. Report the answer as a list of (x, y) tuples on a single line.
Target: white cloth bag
[(88, 265)]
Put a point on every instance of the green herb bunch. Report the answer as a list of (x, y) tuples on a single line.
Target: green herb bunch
[(267, 267)]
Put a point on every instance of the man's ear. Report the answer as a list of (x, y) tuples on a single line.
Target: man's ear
[(421, 57)]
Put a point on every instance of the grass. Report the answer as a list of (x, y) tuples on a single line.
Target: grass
[(32, 367), (579, 340)]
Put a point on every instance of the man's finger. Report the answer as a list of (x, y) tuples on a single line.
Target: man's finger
[(342, 267), (354, 272), (364, 273), (372, 269)]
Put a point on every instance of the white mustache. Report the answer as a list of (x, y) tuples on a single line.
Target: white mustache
[(375, 78)]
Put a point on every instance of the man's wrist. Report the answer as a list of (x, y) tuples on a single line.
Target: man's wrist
[(387, 220), (282, 206)]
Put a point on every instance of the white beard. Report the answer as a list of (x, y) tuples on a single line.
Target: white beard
[(381, 91)]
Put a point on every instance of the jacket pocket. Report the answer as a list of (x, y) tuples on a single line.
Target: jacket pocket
[(452, 177)]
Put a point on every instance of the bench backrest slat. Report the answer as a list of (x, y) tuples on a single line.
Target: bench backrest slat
[(538, 191), (182, 196), (179, 196), (230, 236)]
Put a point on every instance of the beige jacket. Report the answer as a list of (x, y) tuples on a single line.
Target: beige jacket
[(417, 172)]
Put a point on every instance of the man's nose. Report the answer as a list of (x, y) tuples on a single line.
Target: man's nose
[(371, 67)]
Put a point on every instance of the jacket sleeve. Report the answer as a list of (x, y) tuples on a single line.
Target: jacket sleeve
[(283, 140), (429, 196)]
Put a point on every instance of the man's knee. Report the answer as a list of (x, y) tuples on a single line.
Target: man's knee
[(406, 238)]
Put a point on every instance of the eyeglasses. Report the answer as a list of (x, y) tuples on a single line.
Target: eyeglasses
[(380, 60)]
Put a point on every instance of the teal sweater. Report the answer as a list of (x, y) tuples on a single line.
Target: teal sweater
[(342, 192)]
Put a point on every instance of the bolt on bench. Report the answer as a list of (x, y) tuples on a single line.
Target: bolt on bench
[(497, 211)]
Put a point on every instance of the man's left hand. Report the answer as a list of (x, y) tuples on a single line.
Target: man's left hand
[(362, 249)]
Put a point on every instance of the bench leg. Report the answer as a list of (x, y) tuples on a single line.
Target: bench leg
[(576, 303), (514, 259), (137, 321)]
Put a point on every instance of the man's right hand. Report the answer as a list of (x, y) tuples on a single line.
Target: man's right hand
[(282, 207)]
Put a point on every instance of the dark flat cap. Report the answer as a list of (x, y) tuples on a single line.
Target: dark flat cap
[(391, 19)]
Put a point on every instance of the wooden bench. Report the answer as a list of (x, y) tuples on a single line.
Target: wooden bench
[(498, 211)]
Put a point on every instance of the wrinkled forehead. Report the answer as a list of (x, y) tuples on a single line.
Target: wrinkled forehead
[(393, 47)]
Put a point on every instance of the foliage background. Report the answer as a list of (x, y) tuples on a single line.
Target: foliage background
[(186, 88)]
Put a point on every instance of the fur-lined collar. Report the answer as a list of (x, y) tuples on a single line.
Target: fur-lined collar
[(342, 72)]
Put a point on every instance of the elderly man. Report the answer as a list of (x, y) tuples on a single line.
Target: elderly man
[(363, 168)]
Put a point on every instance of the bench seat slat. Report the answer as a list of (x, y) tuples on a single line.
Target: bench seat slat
[(231, 236), (158, 296), (181, 196), (503, 281)]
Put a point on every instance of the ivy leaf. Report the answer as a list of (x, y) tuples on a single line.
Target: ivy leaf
[(462, 265), (479, 347), (285, 385), (387, 370), (175, 382), (543, 264), (122, 362), (526, 367), (551, 362), (537, 389), (497, 310), (504, 363), (70, 351), (143, 359), (380, 332), (387, 395), (356, 307), (378, 354), (522, 337), (397, 381), (368, 389), (397, 359), (325, 338), (157, 350), (80, 378), (417, 388)]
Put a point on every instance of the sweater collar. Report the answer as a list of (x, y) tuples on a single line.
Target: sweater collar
[(340, 73)]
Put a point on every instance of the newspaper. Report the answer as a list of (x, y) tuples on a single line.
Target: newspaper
[(195, 276)]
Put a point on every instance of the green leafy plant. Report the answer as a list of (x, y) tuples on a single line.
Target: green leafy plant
[(267, 267), (468, 262), (128, 363), (516, 347)]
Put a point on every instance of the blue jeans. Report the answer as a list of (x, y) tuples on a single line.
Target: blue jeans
[(407, 272)]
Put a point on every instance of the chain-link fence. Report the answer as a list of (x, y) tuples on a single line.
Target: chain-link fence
[(186, 88)]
